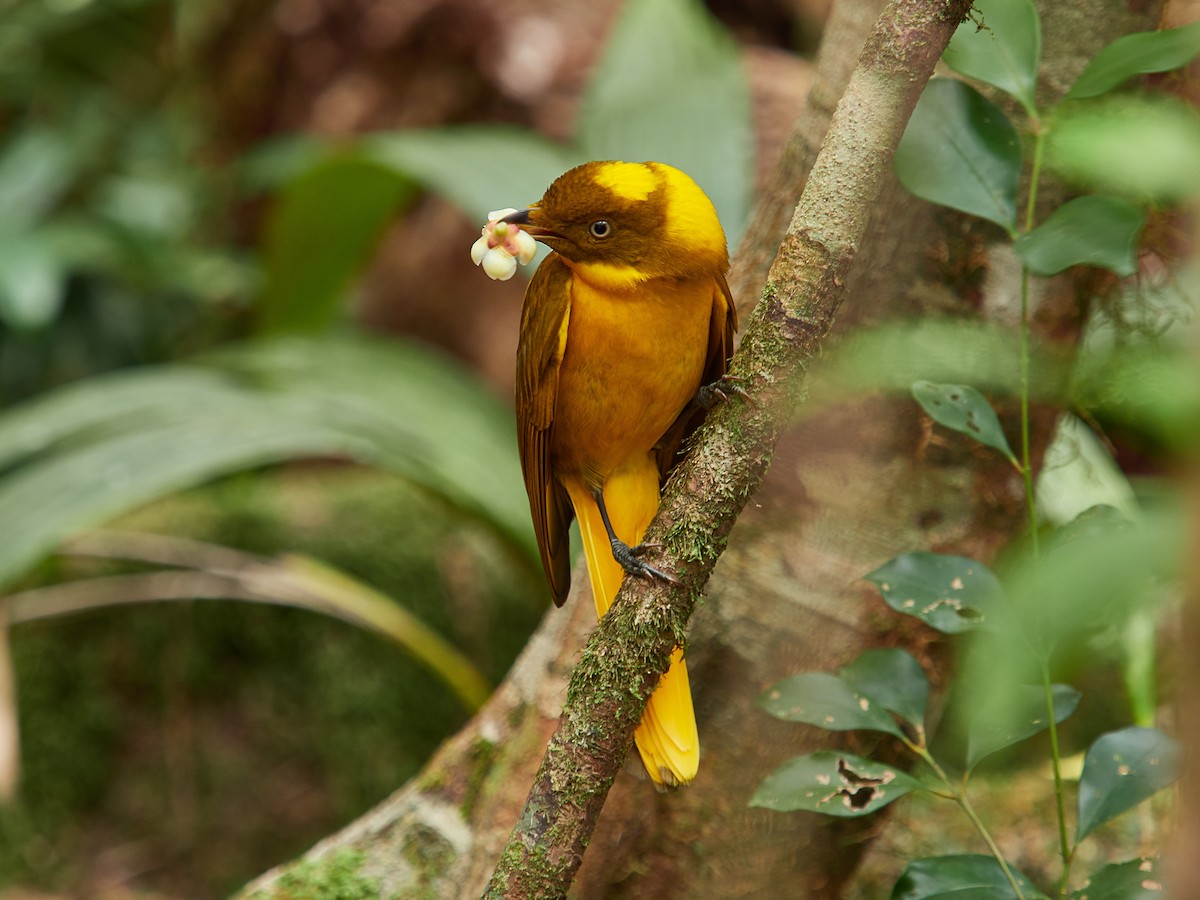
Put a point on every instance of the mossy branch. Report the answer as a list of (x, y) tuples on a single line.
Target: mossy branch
[(630, 649)]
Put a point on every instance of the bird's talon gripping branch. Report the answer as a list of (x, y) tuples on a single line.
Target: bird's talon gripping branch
[(628, 558), (709, 395), (501, 246)]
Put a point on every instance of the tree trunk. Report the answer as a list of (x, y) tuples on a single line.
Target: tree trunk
[(852, 485)]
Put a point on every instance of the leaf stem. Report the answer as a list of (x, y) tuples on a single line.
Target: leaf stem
[(1026, 466), (959, 796), (1060, 807)]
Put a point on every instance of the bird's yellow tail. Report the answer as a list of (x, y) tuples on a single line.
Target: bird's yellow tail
[(667, 739)]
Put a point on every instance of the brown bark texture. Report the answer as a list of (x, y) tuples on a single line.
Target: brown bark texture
[(852, 484)]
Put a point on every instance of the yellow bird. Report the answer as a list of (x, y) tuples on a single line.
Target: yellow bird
[(621, 327)]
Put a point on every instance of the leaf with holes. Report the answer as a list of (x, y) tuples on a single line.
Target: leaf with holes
[(961, 151), (1002, 50), (1137, 879), (817, 698), (1136, 54), (836, 784), (893, 679), (1121, 769), (970, 876), (1021, 715), (1087, 231), (950, 593), (962, 408)]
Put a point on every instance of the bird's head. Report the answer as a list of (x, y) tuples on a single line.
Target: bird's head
[(617, 224)]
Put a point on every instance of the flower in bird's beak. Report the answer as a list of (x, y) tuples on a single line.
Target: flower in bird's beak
[(501, 246)]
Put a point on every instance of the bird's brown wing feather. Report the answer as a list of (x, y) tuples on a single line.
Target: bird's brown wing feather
[(721, 328), (544, 318)]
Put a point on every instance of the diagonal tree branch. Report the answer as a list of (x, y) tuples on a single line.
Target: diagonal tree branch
[(630, 649)]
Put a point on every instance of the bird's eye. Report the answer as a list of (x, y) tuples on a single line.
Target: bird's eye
[(600, 228)]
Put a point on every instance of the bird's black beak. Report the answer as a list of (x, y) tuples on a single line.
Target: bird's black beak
[(520, 217)]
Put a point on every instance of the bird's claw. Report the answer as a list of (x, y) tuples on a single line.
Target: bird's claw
[(629, 560), (709, 395)]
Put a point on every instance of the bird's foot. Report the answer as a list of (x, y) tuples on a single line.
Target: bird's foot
[(709, 395), (630, 560)]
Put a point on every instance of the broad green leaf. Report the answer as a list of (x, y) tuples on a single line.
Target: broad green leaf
[(1121, 769), (32, 282), (949, 593), (962, 408), (1087, 231), (961, 151), (1022, 714), (817, 698), (1002, 50), (37, 166), (1138, 879), (478, 168), (893, 679), (966, 877), (81, 455), (671, 87), (1147, 148), (1136, 54), (319, 236), (1078, 474), (836, 784)]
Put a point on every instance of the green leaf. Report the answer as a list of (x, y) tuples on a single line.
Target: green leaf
[(966, 877), (1003, 50), (1147, 148), (1079, 473), (1022, 715), (1137, 879), (1088, 231), (32, 282), (961, 151), (83, 454), (1136, 54), (950, 593), (1121, 769), (817, 698), (478, 168), (37, 167), (320, 234), (962, 408), (836, 784), (893, 679), (671, 87)]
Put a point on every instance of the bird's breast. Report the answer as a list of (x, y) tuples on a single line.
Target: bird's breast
[(633, 360)]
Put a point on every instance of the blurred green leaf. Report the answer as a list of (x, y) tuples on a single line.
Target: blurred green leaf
[(1136, 54), (1147, 148), (950, 593), (817, 698), (893, 679), (962, 408), (1078, 474), (1121, 769), (1087, 231), (32, 281), (37, 167), (81, 455), (479, 168), (836, 784), (966, 877), (1023, 714), (671, 87), (1137, 879), (1003, 51), (961, 151), (319, 235)]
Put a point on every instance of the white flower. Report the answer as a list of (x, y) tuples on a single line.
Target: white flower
[(500, 214), (478, 249), (498, 264), (526, 247)]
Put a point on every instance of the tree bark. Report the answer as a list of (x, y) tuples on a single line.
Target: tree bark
[(850, 487)]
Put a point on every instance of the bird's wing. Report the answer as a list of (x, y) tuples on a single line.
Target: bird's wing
[(722, 324), (544, 319)]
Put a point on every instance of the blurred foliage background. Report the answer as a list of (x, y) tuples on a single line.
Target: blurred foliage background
[(240, 330)]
